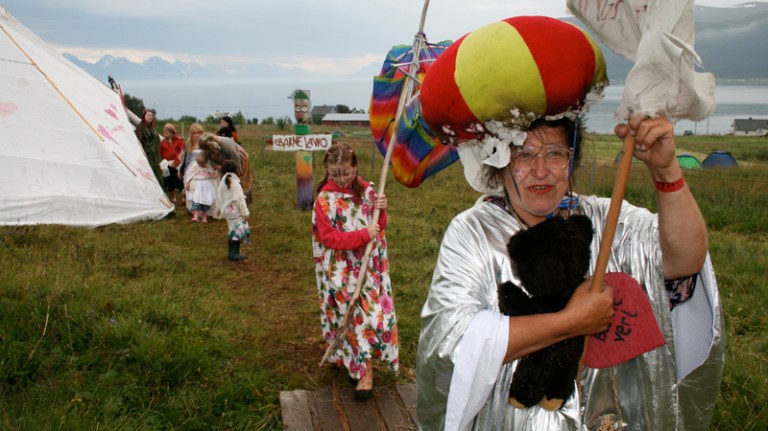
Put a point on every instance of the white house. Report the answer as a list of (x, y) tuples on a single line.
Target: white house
[(750, 127)]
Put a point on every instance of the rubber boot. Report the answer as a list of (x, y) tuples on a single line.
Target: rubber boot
[(231, 248), (237, 251), (194, 215), (234, 251), (205, 218)]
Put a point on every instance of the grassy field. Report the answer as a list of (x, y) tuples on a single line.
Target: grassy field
[(148, 326)]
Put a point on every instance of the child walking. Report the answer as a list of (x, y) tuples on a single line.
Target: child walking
[(201, 187), (232, 207), (342, 226)]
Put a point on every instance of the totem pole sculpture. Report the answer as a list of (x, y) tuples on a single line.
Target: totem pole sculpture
[(303, 143)]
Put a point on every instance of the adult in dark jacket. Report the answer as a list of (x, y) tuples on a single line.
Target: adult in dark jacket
[(150, 142)]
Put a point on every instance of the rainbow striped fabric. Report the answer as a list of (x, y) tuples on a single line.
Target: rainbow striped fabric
[(418, 152)]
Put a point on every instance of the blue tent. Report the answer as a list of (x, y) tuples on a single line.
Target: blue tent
[(719, 159)]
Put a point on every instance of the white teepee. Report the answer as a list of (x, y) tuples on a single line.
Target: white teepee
[(68, 153)]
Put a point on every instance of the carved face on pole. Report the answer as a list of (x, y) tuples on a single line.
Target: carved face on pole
[(301, 106)]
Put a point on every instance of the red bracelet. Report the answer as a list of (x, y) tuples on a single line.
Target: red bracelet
[(666, 187)]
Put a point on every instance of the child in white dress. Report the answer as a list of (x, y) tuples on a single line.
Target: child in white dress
[(232, 206), (201, 187)]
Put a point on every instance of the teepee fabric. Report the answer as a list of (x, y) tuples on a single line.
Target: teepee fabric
[(68, 153)]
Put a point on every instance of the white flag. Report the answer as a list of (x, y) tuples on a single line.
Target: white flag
[(658, 36)]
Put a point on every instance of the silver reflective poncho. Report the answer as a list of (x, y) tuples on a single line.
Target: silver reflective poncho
[(674, 387)]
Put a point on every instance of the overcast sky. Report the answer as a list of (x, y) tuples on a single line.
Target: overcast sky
[(321, 36)]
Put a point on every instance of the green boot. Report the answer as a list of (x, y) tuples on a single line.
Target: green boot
[(234, 251), (237, 251)]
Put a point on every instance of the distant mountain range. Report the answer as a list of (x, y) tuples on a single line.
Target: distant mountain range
[(730, 41), (156, 68)]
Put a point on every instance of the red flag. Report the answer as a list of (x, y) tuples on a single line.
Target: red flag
[(633, 330)]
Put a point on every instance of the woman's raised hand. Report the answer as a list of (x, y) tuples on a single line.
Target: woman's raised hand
[(654, 140)]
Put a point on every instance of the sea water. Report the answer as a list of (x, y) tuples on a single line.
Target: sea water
[(731, 102), (262, 98)]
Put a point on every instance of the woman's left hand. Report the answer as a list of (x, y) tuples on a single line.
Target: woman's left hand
[(654, 141), (380, 202)]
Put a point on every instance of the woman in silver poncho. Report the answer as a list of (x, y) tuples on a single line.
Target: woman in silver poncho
[(509, 95), (468, 350)]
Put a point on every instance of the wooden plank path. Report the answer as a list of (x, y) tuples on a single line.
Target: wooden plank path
[(392, 408)]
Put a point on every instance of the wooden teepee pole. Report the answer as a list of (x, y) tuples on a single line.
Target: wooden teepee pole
[(405, 95), (53, 84)]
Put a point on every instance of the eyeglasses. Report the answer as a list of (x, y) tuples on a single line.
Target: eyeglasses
[(555, 157)]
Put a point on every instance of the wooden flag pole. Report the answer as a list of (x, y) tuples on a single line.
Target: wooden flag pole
[(609, 230), (405, 94)]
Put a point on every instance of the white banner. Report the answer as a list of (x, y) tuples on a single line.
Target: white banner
[(301, 142), (658, 36)]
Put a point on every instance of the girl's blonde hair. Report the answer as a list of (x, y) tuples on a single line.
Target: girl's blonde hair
[(170, 128), (192, 144), (208, 143)]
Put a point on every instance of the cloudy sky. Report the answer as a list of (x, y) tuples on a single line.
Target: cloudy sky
[(320, 36)]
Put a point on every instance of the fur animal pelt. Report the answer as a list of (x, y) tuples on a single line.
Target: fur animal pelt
[(551, 259)]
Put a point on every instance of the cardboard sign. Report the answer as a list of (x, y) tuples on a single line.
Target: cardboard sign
[(301, 142), (633, 329)]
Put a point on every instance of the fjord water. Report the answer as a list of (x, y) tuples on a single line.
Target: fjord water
[(261, 98), (731, 102)]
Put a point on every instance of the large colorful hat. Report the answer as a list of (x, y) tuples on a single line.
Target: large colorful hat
[(491, 84)]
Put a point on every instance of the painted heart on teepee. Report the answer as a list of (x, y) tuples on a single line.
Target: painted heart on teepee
[(105, 132), (7, 109), (111, 111)]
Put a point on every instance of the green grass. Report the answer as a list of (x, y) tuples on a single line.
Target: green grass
[(148, 326)]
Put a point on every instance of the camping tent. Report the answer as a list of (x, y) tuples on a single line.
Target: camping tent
[(688, 161), (719, 159), (68, 153)]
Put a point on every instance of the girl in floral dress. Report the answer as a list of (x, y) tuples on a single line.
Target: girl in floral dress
[(342, 226)]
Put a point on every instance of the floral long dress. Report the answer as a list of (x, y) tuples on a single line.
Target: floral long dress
[(374, 328)]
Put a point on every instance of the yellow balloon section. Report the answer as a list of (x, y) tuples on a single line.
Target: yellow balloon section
[(513, 71), (510, 76)]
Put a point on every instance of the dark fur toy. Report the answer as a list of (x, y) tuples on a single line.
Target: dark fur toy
[(551, 260)]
